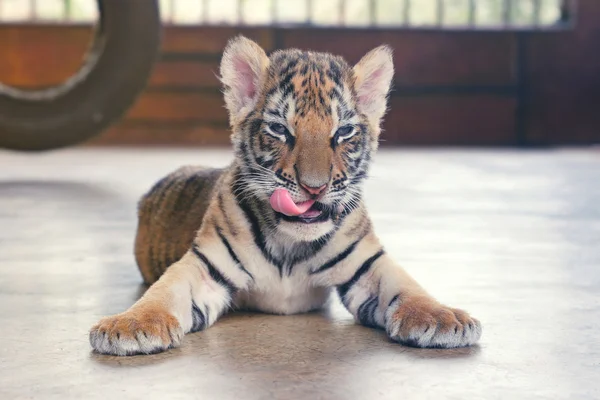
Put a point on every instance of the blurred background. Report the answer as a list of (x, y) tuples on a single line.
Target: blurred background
[(507, 228), (468, 72)]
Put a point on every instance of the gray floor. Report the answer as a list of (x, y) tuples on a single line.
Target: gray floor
[(513, 237)]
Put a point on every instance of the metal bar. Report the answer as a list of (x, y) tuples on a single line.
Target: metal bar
[(274, 11), (171, 11), (406, 12), (567, 11), (472, 12), (537, 5), (66, 10), (507, 8), (440, 11), (240, 14), (278, 39), (205, 11), (372, 12), (507, 12), (521, 84), (32, 10), (342, 11)]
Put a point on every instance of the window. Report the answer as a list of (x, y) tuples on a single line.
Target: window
[(475, 14)]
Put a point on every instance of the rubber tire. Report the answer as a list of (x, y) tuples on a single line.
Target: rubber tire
[(126, 45)]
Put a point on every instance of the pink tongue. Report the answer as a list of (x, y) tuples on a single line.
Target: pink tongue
[(282, 202)]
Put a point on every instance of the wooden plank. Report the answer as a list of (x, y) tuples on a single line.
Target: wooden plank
[(563, 82), (193, 135), (450, 120), (35, 56), (480, 120), (41, 55), (421, 58), (210, 40), (186, 74), (179, 107)]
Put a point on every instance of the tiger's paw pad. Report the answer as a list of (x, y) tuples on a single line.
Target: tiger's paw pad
[(145, 331), (422, 322)]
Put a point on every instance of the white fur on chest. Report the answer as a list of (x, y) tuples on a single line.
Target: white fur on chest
[(287, 296), (293, 290)]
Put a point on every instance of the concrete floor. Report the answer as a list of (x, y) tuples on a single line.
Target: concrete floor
[(513, 237)]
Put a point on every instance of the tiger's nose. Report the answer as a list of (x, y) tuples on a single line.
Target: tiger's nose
[(315, 191)]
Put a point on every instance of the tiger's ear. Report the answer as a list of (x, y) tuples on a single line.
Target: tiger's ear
[(243, 69), (373, 77)]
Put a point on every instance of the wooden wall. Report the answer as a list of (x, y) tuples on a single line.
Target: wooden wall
[(451, 88)]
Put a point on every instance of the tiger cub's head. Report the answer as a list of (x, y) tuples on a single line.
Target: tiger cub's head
[(305, 126)]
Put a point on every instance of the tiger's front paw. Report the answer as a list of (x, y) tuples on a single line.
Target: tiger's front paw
[(422, 322), (145, 330)]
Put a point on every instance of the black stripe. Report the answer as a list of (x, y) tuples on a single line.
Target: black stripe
[(268, 163), (274, 112), (303, 251), (366, 311), (285, 84), (214, 273), (345, 287), (255, 126), (178, 203), (385, 314), (157, 186), (230, 226), (341, 256), (244, 153), (358, 177), (393, 300), (232, 254), (164, 191), (199, 320), (257, 234)]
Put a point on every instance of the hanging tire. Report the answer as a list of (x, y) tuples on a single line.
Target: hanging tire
[(116, 69)]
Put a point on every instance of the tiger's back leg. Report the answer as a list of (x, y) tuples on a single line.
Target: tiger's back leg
[(169, 216)]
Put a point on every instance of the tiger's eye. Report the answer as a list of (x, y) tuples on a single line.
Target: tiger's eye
[(278, 128), (344, 133), (345, 130)]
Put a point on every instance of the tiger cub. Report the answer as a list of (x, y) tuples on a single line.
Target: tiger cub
[(285, 223)]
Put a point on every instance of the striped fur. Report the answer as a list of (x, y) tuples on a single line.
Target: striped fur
[(169, 216), (208, 240)]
